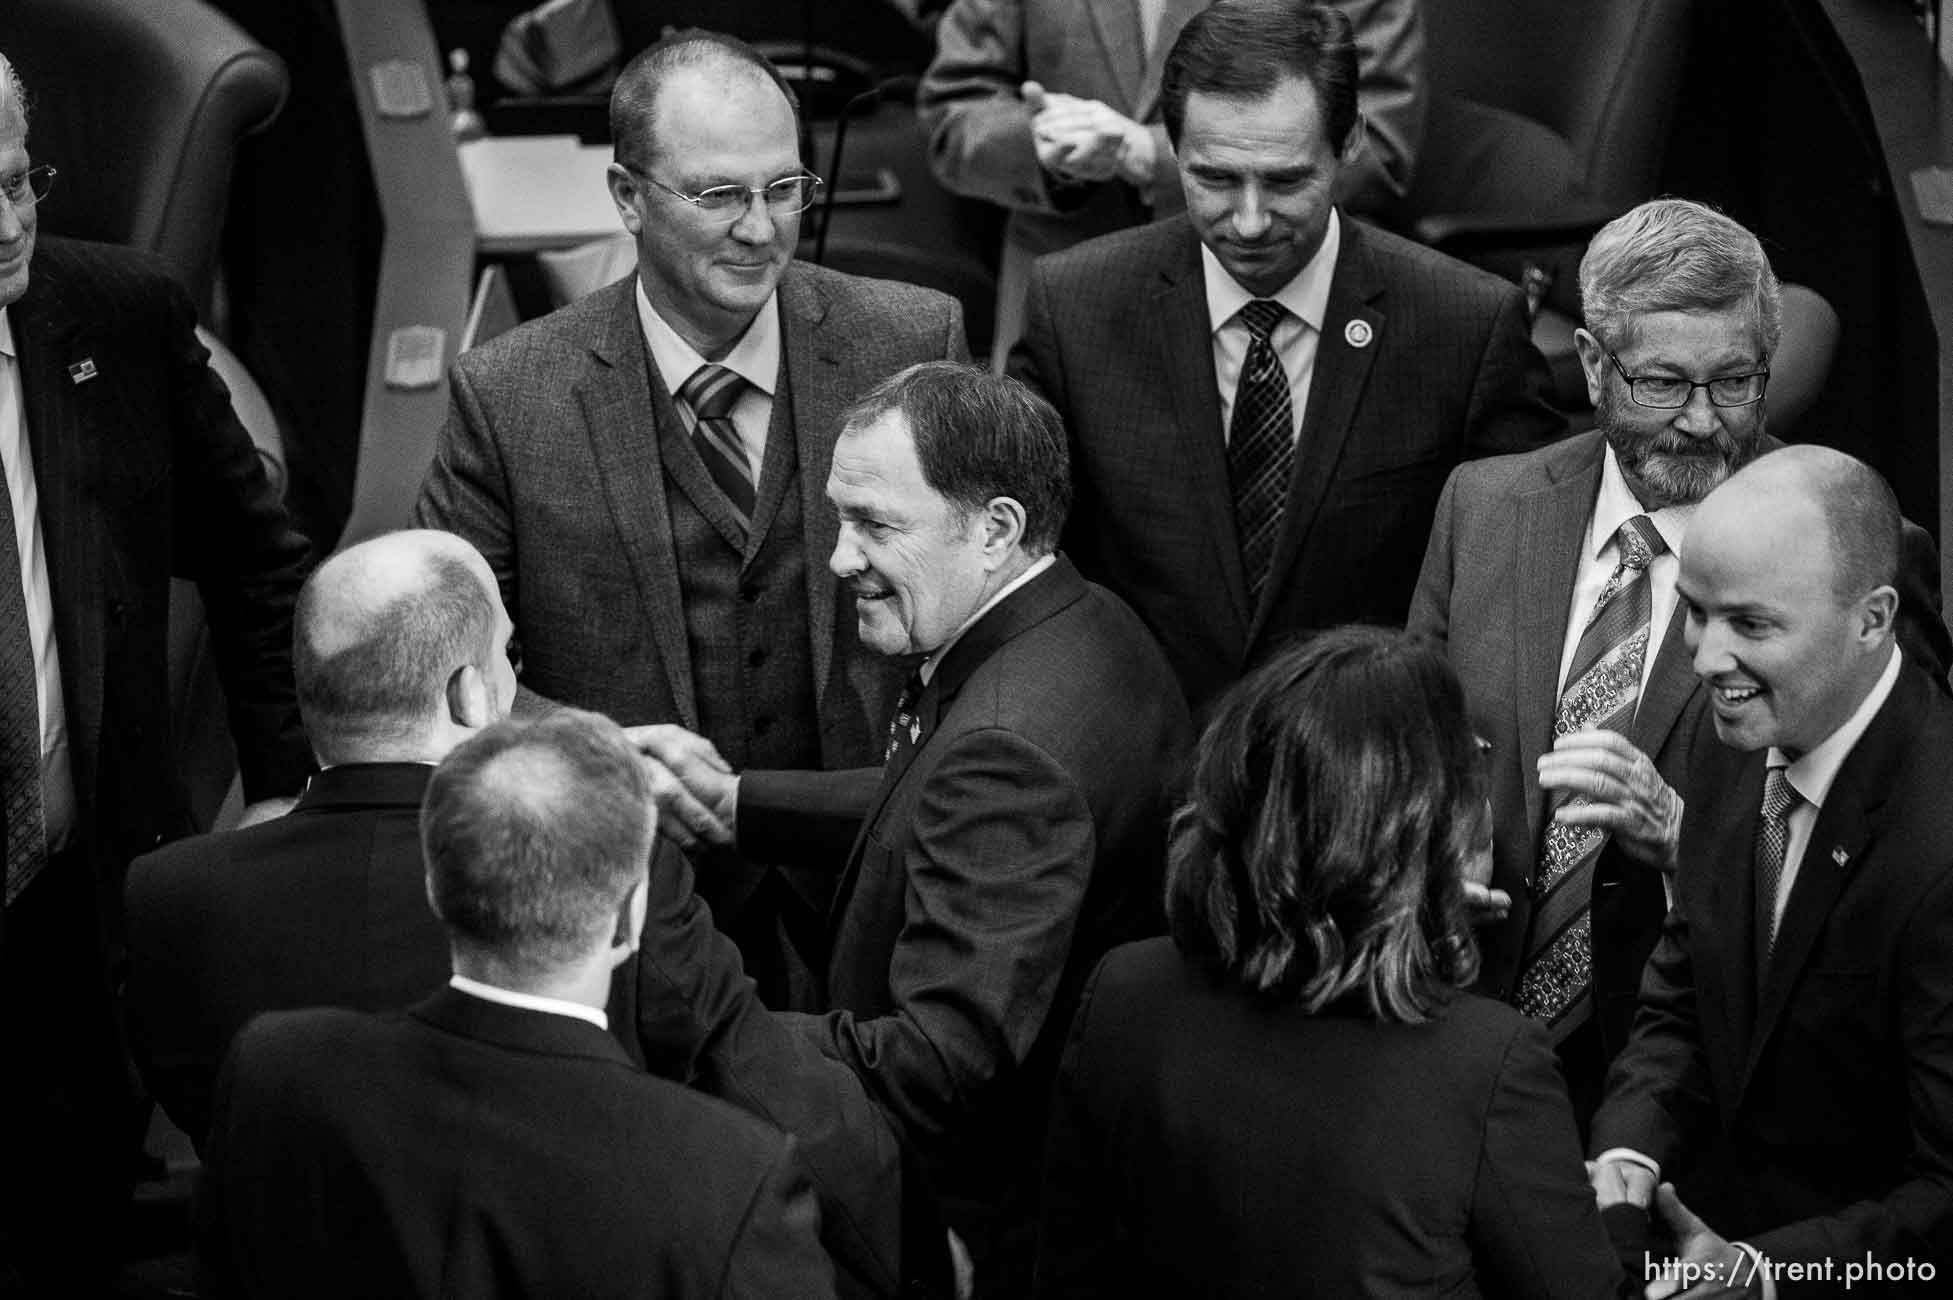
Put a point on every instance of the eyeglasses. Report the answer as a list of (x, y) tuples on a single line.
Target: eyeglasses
[(783, 197), (1665, 393), (29, 187)]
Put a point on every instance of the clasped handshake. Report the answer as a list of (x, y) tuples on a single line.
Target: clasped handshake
[(696, 790)]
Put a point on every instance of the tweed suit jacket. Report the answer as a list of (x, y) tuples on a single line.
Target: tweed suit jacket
[(144, 475), (1423, 362), (550, 463), (465, 1148), (1810, 1112), (1496, 591), (326, 906), (980, 128)]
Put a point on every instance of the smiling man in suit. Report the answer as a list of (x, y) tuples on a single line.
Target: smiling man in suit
[(1791, 1067), (1264, 397), (643, 469), (125, 467)]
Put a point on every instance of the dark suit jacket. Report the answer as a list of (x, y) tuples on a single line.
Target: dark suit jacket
[(1023, 838), (326, 906), (465, 1148), (1118, 338), (1495, 592), (1811, 1117), (1207, 1142), (550, 465), (145, 475)]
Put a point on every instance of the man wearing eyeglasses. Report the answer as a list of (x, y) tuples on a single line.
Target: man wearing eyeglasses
[(643, 469), (124, 467), (1550, 577)]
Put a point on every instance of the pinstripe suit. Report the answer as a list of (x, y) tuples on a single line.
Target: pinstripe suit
[(1423, 362)]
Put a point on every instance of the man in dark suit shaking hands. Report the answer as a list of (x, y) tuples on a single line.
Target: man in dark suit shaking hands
[(1791, 1067), (1263, 396)]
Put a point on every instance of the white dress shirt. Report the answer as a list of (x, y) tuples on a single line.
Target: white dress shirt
[(1294, 340), (57, 782), (1614, 506), (755, 358), (529, 1001), (1038, 566)]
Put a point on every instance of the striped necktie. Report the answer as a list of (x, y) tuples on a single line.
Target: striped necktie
[(712, 392), (1780, 797), (1603, 685), (20, 718), (1260, 444)]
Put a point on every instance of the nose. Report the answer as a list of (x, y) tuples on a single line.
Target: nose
[(845, 561), (11, 225), (1708, 649), (755, 224), (1699, 418), (1250, 212)]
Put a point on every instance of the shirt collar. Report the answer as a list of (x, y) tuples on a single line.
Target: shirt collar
[(1616, 504), (935, 658), (755, 358), (529, 1001), (7, 334), (1812, 775), (1306, 296)]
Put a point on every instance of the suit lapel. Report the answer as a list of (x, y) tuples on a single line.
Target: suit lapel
[(1185, 351), (1552, 531), (1119, 36), (1670, 686), (822, 382), (1341, 371), (1729, 890), (67, 446), (620, 419)]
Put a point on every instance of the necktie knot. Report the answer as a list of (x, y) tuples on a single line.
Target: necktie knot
[(1261, 317), (712, 391), (1639, 542), (1779, 795)]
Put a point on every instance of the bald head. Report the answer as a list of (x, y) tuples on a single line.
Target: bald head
[(387, 633), (724, 61), (1808, 496)]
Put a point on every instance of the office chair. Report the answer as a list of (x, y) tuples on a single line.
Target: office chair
[(142, 104)]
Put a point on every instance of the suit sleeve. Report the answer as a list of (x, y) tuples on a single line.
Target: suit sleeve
[(234, 539), (1392, 94), (218, 1268), (1922, 624), (1081, 1251), (1035, 360), (807, 819), (1914, 1219), (466, 492), (999, 854), (1535, 1230), (1430, 610), (777, 1254), (1509, 411)]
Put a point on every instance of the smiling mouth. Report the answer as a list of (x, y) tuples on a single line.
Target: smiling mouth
[(1736, 695)]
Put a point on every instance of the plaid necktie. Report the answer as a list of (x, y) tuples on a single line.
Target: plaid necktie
[(1780, 797), (1603, 686), (1260, 444), (20, 718), (711, 392)]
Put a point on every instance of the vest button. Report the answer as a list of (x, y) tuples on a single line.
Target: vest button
[(757, 656), (750, 592), (762, 724)]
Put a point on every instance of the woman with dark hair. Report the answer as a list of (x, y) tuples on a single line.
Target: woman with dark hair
[(1295, 1095)]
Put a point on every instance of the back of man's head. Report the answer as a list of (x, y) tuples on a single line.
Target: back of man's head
[(1676, 255), (534, 834), (381, 632), (1244, 49)]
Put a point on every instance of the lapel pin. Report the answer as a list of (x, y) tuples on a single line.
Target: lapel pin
[(82, 371), (1358, 334), (1839, 856), (915, 732)]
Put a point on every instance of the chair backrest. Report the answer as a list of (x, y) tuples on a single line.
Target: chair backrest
[(141, 104), (1602, 74)]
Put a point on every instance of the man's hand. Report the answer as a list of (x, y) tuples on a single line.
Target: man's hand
[(1485, 905), (265, 810), (695, 789), (1086, 139), (1628, 797), (1708, 1268), (1621, 1182)]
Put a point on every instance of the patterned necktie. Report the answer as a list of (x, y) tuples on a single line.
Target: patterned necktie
[(1780, 797), (20, 719), (1603, 685), (905, 728), (711, 392), (1260, 444)]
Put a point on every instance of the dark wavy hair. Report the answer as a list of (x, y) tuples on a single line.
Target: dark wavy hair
[(1337, 797)]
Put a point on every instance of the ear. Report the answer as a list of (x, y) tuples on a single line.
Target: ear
[(1003, 528), (468, 698), (1359, 139), (1593, 363), (625, 190), (1878, 615), (630, 923)]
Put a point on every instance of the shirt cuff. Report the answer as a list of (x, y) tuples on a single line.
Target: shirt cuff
[(1632, 1156)]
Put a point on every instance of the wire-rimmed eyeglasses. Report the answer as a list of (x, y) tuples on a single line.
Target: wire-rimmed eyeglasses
[(783, 198), (23, 188), (1668, 393)]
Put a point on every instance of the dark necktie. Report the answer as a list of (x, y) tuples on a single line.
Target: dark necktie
[(20, 719), (711, 392), (1603, 685), (1780, 797), (905, 728), (1260, 444)]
